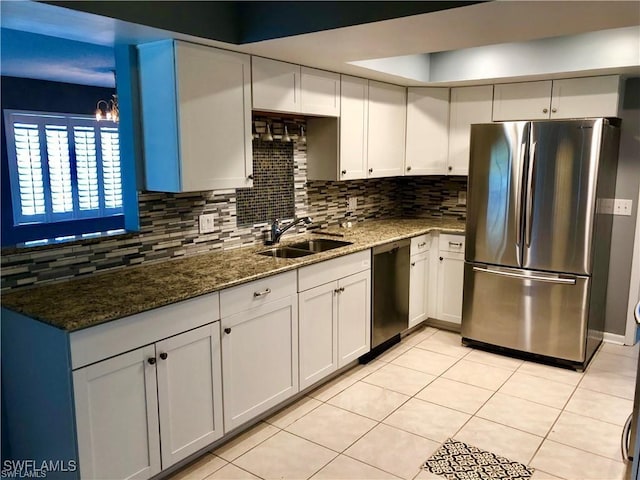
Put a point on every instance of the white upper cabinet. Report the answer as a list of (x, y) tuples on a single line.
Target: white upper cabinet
[(320, 92), (468, 105), (286, 87), (196, 117), (354, 112), (427, 131), (276, 85), (386, 129), (557, 99), (522, 101), (586, 97)]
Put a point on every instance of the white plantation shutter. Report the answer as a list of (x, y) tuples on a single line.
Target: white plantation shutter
[(59, 169), (62, 167), (29, 170), (86, 168), (111, 173)]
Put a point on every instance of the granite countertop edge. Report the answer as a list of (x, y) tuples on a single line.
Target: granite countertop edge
[(89, 301)]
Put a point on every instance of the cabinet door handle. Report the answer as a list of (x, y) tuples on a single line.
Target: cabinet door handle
[(266, 291), (420, 245), (455, 244), (409, 168), (339, 290), (336, 291), (151, 360), (413, 264), (450, 168), (545, 110), (344, 172), (164, 355), (441, 258), (371, 170), (250, 177), (227, 330), (554, 110)]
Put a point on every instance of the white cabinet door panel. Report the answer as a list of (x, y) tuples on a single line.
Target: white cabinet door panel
[(468, 105), (419, 288), (522, 101), (259, 360), (117, 417), (354, 111), (215, 148), (276, 85), (318, 324), (386, 130), (450, 285), (320, 93), (427, 131), (189, 392), (354, 317), (586, 97)]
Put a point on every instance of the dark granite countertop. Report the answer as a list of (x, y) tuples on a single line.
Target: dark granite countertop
[(88, 301)]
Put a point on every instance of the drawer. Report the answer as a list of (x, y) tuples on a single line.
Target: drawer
[(420, 244), (93, 344), (250, 295), (451, 243), (332, 270)]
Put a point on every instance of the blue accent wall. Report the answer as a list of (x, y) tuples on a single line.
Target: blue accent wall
[(39, 95)]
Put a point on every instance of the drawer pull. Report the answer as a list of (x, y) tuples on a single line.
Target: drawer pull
[(227, 330), (151, 360), (455, 244), (420, 245), (266, 291), (164, 355), (413, 264)]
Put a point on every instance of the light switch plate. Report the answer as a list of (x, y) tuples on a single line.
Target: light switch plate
[(622, 206), (462, 197), (352, 204), (206, 222)]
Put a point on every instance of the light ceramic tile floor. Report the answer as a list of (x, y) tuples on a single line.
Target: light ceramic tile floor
[(384, 419)]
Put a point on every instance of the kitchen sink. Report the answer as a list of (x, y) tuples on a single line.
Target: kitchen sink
[(285, 252), (302, 249), (320, 244)]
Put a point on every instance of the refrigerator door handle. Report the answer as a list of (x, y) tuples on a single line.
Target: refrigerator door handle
[(530, 187), (538, 278), (523, 154)]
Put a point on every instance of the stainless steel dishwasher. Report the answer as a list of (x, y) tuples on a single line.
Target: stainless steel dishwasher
[(390, 293)]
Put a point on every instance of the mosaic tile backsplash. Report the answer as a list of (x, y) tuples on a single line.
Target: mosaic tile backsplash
[(272, 194), (169, 222)]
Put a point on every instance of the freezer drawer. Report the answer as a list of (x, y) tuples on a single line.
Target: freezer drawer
[(529, 311)]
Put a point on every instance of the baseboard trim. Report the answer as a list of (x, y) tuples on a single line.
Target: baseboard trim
[(613, 338)]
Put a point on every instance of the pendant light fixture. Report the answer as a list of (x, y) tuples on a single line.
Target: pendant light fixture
[(285, 135), (266, 136)]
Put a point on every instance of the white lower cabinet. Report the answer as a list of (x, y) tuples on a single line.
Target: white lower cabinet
[(318, 323), (450, 278), (419, 288), (168, 393), (334, 314), (259, 348)]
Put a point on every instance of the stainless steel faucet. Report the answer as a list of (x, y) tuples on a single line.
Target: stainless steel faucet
[(277, 231)]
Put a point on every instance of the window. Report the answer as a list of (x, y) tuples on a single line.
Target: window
[(62, 167)]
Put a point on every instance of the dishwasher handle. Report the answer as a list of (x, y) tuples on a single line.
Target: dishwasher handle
[(392, 246)]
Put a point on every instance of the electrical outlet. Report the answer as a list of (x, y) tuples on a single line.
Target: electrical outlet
[(205, 222), (462, 197), (622, 206), (352, 204)]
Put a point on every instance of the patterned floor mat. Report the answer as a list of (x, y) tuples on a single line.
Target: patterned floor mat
[(456, 460)]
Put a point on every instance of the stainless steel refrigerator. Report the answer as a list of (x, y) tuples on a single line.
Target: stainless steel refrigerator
[(538, 236)]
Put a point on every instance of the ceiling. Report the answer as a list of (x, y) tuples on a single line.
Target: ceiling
[(415, 37)]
